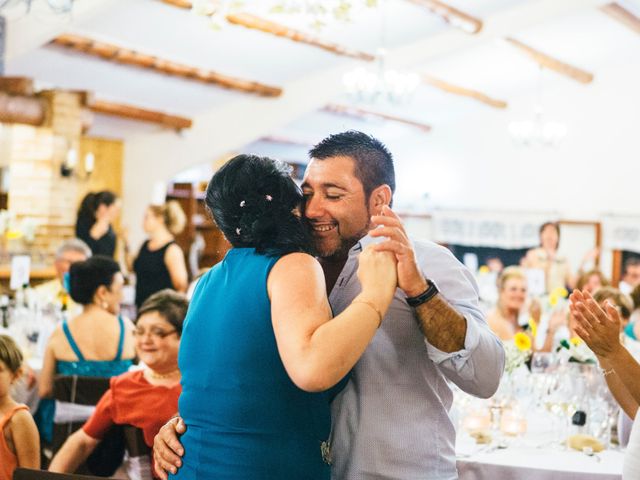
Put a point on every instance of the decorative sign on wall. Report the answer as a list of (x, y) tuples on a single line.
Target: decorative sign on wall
[(621, 233), (489, 229)]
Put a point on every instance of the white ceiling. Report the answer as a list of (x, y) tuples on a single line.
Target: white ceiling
[(468, 145)]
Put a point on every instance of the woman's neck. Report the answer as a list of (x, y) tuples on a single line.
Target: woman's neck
[(163, 375), (93, 310), (160, 236), (6, 402), (510, 314)]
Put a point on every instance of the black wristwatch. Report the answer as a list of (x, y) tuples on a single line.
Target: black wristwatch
[(428, 294)]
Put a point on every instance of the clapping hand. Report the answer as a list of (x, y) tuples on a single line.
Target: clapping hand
[(598, 327)]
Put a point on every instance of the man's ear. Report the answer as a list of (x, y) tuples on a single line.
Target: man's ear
[(379, 197)]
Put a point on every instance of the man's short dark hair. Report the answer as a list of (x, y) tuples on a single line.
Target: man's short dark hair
[(631, 262), (373, 161)]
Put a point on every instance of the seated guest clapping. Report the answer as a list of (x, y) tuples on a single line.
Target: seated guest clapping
[(512, 304), (144, 398)]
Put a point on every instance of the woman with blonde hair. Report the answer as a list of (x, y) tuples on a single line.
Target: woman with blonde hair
[(160, 262), (512, 297)]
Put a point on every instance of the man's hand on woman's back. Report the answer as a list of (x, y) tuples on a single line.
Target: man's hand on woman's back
[(167, 449)]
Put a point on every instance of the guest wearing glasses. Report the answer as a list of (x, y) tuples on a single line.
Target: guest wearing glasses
[(145, 398)]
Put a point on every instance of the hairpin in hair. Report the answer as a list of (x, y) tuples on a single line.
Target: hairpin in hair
[(238, 230), (242, 203), (268, 197)]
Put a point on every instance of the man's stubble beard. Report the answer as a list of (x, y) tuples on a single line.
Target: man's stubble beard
[(341, 252)]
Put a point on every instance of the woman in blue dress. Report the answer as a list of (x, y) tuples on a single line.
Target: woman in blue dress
[(96, 343), (260, 350)]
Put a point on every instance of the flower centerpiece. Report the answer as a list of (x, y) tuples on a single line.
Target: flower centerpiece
[(517, 352), (576, 351)]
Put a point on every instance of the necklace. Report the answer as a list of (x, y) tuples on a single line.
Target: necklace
[(159, 376)]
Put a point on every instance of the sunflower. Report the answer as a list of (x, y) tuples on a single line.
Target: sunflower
[(576, 341), (13, 234), (561, 292), (522, 341)]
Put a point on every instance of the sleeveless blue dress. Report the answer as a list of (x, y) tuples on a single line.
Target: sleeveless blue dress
[(245, 418), (81, 367)]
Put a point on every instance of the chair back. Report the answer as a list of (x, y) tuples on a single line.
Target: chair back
[(28, 474), (76, 397), (138, 464)]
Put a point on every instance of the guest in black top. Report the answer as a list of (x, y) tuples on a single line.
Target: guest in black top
[(160, 263), (93, 226)]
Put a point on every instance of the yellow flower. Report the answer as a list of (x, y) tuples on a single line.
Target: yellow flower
[(13, 234), (553, 299), (533, 326), (483, 269), (560, 292), (576, 341), (522, 341)]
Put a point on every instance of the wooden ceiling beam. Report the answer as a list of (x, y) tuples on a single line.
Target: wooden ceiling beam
[(255, 22), (186, 4), (285, 141), (22, 109), (622, 15), (140, 114), (125, 56), (547, 61), (19, 104), (364, 114), (465, 92), (17, 86), (451, 15), (267, 26)]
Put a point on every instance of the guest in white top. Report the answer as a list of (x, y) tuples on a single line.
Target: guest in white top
[(600, 328)]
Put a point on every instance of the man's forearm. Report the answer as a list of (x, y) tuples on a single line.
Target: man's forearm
[(443, 326)]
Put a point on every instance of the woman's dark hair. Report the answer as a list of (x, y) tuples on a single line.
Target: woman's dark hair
[(85, 277), (169, 304), (91, 202), (252, 200)]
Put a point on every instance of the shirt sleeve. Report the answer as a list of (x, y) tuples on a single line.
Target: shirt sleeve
[(102, 418), (478, 367)]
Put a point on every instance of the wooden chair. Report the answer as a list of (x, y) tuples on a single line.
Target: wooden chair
[(28, 474), (79, 390)]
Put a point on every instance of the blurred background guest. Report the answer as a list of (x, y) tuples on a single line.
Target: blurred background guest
[(55, 291), (515, 310), (545, 257), (619, 300), (96, 343), (19, 442), (632, 330), (94, 224), (511, 313), (592, 281), (630, 276), (160, 262), (146, 398)]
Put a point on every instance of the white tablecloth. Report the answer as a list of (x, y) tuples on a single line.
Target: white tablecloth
[(538, 464)]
